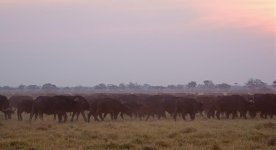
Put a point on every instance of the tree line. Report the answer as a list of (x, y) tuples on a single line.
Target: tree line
[(251, 84)]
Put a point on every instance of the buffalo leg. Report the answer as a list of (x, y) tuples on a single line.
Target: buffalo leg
[(218, 115), (122, 115), (18, 115), (83, 115), (116, 115), (41, 116), (73, 115), (65, 116), (59, 118), (192, 115), (183, 116), (89, 116), (147, 117), (55, 116), (101, 116), (78, 114)]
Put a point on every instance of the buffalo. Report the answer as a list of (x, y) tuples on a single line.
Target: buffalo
[(265, 104), (15, 100), (60, 105), (21, 104), (232, 105), (187, 105), (24, 106), (5, 107), (103, 106)]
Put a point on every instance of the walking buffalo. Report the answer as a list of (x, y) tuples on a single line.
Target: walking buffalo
[(232, 105), (5, 107), (208, 105), (152, 106), (104, 106), (187, 105), (15, 100), (24, 106), (60, 105), (142, 106), (265, 104)]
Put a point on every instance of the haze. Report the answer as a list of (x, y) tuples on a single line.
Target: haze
[(159, 42)]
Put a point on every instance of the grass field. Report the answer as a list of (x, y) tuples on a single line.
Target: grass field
[(144, 135)]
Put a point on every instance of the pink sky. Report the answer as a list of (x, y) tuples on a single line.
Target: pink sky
[(148, 41), (246, 13)]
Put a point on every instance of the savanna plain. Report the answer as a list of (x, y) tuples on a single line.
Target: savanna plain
[(200, 134)]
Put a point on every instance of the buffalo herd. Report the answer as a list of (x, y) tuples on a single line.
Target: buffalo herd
[(139, 106)]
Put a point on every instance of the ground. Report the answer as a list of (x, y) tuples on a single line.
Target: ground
[(144, 135)]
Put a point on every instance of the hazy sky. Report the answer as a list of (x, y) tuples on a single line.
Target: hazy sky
[(160, 42)]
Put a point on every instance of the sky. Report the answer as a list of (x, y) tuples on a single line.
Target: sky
[(159, 42)]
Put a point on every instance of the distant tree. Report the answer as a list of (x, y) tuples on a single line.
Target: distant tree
[(192, 84), (208, 84), (112, 87), (33, 87), (49, 86), (133, 85), (223, 86), (157, 87), (100, 86), (180, 86), (79, 88), (274, 84), (7, 88), (146, 86), (21, 87), (66, 88), (122, 86), (172, 87), (255, 84)]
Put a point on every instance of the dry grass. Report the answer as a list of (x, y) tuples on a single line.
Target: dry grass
[(144, 135)]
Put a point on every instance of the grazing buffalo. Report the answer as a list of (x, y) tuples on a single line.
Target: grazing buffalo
[(132, 102), (168, 104), (265, 104), (21, 104), (208, 105), (232, 105), (152, 106), (141, 106), (187, 105), (75, 104), (93, 102), (5, 107), (43, 105), (15, 100), (60, 105), (105, 106), (24, 106)]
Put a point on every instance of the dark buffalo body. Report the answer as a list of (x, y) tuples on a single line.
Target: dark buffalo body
[(5, 107), (15, 100), (21, 104), (187, 105), (265, 104), (208, 105), (231, 105), (60, 105), (24, 106), (104, 106), (142, 106), (152, 106)]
